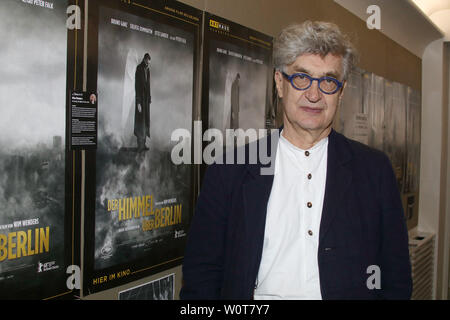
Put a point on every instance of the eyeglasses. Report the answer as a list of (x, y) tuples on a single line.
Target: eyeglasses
[(302, 81)]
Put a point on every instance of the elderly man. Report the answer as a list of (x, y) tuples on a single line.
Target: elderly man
[(328, 224)]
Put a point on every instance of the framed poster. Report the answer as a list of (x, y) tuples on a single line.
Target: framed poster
[(37, 220), (142, 59), (237, 77), (353, 118), (394, 136), (373, 99), (237, 83), (413, 125)]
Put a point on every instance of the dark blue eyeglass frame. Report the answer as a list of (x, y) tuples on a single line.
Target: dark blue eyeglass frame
[(311, 79)]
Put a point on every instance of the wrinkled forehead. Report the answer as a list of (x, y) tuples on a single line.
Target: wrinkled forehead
[(318, 65)]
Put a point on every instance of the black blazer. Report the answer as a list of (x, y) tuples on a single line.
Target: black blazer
[(362, 225)]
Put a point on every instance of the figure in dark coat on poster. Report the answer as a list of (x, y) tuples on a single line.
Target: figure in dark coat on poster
[(234, 123), (143, 100)]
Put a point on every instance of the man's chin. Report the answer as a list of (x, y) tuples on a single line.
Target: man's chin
[(311, 127)]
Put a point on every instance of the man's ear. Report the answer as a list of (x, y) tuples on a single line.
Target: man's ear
[(279, 83)]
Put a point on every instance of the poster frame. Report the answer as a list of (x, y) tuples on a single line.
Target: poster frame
[(171, 13)]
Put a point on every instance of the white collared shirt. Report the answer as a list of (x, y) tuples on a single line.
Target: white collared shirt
[(289, 267)]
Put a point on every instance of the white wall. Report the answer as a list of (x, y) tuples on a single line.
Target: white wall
[(433, 207), (430, 154), (434, 214), (431, 135)]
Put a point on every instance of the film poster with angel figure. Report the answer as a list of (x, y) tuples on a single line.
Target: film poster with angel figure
[(146, 57)]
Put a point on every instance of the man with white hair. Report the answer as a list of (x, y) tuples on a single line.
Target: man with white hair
[(328, 224)]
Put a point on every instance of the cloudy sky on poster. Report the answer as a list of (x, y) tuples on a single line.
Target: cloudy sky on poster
[(33, 73)]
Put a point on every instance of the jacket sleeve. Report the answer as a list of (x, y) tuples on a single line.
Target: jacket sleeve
[(395, 268), (204, 255)]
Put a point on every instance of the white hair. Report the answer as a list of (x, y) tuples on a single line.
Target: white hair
[(310, 37)]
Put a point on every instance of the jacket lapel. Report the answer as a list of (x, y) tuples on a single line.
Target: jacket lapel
[(339, 177), (256, 192), (256, 196)]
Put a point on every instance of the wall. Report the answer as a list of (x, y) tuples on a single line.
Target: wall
[(431, 135), (435, 208), (441, 19), (446, 241)]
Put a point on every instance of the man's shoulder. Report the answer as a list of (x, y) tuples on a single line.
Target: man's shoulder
[(363, 152)]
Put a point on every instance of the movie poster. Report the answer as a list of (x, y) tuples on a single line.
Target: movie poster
[(395, 129), (35, 237), (374, 105), (353, 119), (237, 79), (412, 171), (145, 56), (413, 125)]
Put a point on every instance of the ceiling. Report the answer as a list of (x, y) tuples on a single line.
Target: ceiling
[(430, 7), (404, 21), (438, 11)]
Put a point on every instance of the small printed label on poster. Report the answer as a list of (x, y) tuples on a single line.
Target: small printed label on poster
[(83, 120)]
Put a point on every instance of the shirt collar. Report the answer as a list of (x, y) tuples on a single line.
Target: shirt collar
[(316, 147)]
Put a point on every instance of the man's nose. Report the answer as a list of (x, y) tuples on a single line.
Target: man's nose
[(313, 93)]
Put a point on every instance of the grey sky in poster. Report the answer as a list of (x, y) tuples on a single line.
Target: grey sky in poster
[(171, 68), (33, 83), (253, 85)]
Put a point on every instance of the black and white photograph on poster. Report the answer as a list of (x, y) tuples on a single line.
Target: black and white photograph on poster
[(33, 61), (238, 81), (160, 289), (145, 85)]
